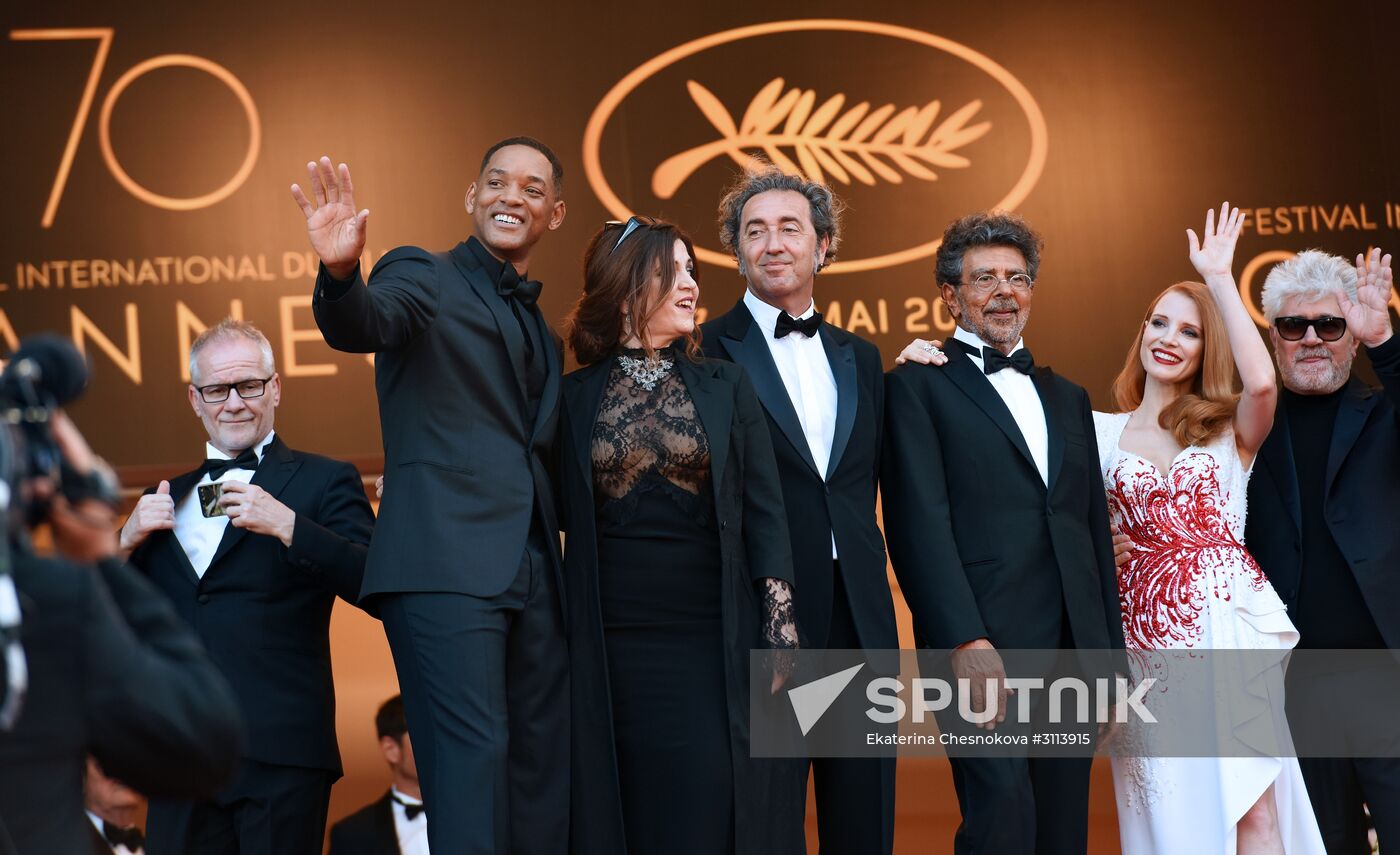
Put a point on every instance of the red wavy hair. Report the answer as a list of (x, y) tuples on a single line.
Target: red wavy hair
[(1200, 415)]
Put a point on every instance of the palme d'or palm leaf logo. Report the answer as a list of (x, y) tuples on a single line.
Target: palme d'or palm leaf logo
[(859, 143)]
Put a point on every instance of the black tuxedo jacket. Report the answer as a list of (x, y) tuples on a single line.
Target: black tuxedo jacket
[(462, 465), (839, 501), (263, 610), (753, 545), (368, 831), (99, 846), (1363, 489), (981, 546), (115, 673)]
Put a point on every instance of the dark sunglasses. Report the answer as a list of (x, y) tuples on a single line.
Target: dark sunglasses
[(632, 224), (1293, 328)]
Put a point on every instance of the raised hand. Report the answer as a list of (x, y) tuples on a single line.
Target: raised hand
[(336, 230), (1213, 253), (1368, 316)]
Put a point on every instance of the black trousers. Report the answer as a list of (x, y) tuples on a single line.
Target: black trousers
[(1025, 805), (280, 810), (855, 795), (485, 686), (1339, 786)]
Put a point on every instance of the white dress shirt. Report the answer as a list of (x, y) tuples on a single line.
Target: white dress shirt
[(117, 850), (199, 535), (807, 376), (412, 833), (1018, 391)]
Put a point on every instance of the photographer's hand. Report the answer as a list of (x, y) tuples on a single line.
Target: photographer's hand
[(250, 506), (85, 532), (154, 512)]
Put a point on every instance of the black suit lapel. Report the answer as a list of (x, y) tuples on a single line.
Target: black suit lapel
[(272, 475), (1277, 457), (506, 324), (180, 486), (1044, 380), (1356, 405), (714, 403), (549, 398), (583, 396), (743, 341), (386, 836), (973, 383), (100, 846), (843, 367)]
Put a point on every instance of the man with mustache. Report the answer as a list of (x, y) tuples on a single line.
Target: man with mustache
[(1322, 523), (998, 525), (464, 565)]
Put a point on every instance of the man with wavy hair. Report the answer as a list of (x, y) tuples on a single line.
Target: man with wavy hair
[(822, 390)]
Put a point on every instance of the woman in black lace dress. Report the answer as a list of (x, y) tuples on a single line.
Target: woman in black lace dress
[(676, 565)]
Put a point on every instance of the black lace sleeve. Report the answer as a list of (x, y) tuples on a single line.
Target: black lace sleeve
[(779, 622)]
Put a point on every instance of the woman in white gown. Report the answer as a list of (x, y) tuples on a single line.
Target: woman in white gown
[(1176, 462)]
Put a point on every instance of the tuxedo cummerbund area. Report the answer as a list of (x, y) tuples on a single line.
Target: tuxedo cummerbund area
[(716, 429)]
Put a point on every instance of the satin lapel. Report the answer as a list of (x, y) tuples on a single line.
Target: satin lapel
[(273, 473), (550, 396), (976, 386), (1356, 405), (179, 488), (1277, 456), (714, 403), (505, 319), (1044, 380), (386, 835), (843, 365), (751, 351), (583, 395)]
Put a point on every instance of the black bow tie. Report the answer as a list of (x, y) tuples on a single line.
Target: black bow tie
[(410, 810), (215, 467), (131, 838), (525, 291), (787, 323), (994, 360)]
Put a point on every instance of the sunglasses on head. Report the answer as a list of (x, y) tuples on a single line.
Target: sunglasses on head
[(1293, 328), (627, 229)]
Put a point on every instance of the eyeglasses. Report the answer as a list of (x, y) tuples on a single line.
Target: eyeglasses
[(1294, 327), (632, 224), (986, 282), (217, 393)]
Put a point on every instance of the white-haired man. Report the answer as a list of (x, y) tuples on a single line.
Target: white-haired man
[(253, 547), (1322, 517)]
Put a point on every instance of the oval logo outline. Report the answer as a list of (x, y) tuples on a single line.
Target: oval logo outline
[(593, 132)]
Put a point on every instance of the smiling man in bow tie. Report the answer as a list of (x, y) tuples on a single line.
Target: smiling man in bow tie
[(252, 548), (465, 563)]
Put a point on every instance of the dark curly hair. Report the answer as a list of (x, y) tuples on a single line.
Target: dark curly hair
[(985, 228)]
